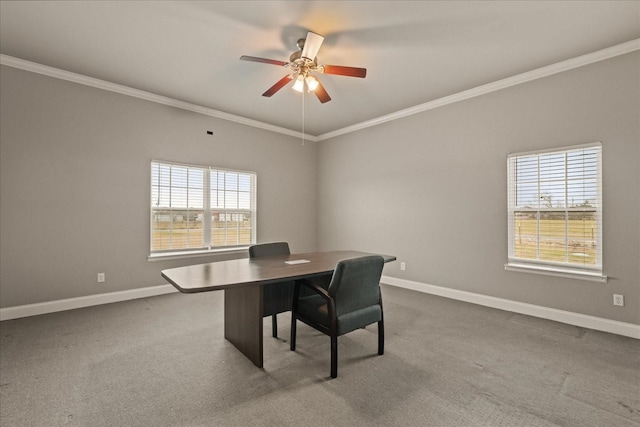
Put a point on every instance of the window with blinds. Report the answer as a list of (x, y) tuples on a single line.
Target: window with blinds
[(555, 209), (196, 208)]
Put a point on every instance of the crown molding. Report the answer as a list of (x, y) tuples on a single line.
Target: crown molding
[(528, 76), (549, 70), (58, 73)]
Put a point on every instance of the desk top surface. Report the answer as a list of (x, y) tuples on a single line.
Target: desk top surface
[(238, 272)]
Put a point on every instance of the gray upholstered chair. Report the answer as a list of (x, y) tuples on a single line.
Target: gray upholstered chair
[(277, 297), (352, 301)]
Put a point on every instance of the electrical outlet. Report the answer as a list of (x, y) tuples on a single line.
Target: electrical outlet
[(403, 266), (618, 300), (101, 277)]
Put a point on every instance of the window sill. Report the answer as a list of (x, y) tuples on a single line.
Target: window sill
[(163, 256), (556, 271)]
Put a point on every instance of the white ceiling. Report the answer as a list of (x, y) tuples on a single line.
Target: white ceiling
[(414, 51)]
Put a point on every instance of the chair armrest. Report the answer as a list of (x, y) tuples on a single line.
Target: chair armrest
[(332, 328), (315, 288)]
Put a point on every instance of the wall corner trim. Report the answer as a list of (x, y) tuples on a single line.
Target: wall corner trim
[(58, 73), (569, 64), (538, 73), (27, 310), (576, 319)]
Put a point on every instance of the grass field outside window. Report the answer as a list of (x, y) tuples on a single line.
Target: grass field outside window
[(195, 208), (555, 208)]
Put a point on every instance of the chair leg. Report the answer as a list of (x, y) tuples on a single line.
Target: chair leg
[(292, 341), (334, 356), (381, 337), (274, 325)]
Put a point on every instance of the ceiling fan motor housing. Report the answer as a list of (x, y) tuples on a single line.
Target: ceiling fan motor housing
[(297, 60), (302, 63)]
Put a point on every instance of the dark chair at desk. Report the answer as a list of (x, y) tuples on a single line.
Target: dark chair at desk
[(277, 297), (352, 301)]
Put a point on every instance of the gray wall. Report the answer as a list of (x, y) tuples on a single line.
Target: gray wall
[(431, 188), (75, 166)]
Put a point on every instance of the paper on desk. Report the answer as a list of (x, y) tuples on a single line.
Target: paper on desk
[(297, 261)]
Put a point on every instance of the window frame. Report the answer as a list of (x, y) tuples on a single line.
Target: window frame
[(593, 272), (208, 208)]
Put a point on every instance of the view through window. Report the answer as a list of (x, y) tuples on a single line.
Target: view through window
[(201, 208), (555, 207)]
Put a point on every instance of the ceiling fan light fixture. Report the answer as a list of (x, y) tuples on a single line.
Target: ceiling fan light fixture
[(312, 83), (311, 45), (299, 84), (301, 64)]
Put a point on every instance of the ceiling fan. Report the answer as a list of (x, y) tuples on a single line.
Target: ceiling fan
[(302, 64)]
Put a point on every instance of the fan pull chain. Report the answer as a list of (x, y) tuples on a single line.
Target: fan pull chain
[(303, 117)]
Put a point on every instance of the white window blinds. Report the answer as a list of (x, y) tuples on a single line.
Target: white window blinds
[(201, 208), (555, 207)]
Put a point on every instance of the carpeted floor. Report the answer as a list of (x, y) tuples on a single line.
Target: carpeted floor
[(163, 361)]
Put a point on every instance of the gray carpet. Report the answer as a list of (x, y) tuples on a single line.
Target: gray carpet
[(163, 361)]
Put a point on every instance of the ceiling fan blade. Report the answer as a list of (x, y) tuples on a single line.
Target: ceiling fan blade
[(263, 60), (343, 71), (322, 94), (279, 85), (312, 45)]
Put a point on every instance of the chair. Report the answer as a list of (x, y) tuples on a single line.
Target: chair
[(277, 297), (352, 301)]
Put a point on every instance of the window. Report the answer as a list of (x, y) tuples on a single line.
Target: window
[(555, 211), (200, 208)]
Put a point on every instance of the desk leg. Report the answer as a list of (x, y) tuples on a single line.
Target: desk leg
[(243, 320)]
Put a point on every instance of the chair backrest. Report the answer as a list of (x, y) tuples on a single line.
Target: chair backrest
[(356, 283), (269, 249)]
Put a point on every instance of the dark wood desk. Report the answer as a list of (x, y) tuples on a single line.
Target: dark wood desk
[(242, 280)]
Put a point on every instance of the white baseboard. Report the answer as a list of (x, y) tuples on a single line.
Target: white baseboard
[(27, 310), (576, 319)]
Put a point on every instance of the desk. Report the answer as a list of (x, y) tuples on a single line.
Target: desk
[(242, 280)]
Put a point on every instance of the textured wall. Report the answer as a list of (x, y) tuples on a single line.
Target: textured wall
[(75, 177), (431, 188)]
